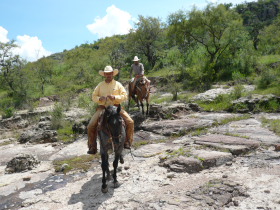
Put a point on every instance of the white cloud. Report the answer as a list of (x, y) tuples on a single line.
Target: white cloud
[(116, 21), (30, 48), (3, 35)]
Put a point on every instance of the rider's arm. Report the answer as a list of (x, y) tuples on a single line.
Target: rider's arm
[(141, 72), (121, 96), (96, 95)]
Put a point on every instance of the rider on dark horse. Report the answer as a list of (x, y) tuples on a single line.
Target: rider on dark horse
[(138, 69), (108, 92)]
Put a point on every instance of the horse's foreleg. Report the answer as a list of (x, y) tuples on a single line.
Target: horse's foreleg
[(137, 102), (147, 103), (108, 171), (115, 164), (142, 105), (104, 166)]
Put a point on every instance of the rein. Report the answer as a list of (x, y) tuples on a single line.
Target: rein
[(107, 130)]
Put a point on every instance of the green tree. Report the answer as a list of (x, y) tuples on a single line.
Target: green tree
[(12, 73), (270, 38), (213, 32), (257, 15), (146, 39), (44, 71)]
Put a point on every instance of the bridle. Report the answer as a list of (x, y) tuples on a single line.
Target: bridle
[(108, 131)]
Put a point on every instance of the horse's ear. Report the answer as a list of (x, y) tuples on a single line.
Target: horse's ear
[(119, 109)]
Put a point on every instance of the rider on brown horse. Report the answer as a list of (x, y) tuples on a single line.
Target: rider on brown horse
[(138, 69)]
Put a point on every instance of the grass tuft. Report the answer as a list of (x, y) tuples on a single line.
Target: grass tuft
[(80, 163)]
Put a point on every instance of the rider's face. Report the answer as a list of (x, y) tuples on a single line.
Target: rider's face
[(108, 76)]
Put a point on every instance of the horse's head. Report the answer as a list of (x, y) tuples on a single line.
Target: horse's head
[(113, 120), (142, 82)]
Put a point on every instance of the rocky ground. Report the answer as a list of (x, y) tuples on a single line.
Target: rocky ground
[(192, 160)]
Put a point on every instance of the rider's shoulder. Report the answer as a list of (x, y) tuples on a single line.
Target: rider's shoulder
[(100, 83), (118, 83)]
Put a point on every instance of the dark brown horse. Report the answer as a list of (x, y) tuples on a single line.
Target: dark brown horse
[(142, 92), (112, 127)]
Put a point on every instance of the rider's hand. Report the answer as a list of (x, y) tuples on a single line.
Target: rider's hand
[(111, 97), (102, 98)]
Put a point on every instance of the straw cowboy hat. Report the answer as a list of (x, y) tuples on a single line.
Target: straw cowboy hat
[(108, 69), (136, 58)]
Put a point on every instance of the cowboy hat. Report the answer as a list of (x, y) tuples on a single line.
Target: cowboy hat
[(108, 69), (136, 58)]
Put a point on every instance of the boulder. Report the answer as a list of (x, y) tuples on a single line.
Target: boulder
[(20, 163), (212, 94), (172, 110), (38, 136), (183, 164), (250, 103), (80, 127), (138, 118)]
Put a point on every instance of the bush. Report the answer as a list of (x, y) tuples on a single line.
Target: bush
[(84, 100), (57, 116), (9, 112), (237, 92), (266, 79)]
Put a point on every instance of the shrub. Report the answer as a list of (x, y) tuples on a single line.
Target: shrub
[(9, 112), (57, 116), (266, 79)]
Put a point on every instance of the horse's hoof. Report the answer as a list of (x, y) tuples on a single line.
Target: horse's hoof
[(105, 190), (121, 160), (116, 184)]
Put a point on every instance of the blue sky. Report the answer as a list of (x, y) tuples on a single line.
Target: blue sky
[(43, 27)]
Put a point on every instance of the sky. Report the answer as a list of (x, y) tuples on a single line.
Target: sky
[(43, 27)]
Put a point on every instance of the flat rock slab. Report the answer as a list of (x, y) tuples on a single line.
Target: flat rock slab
[(251, 128), (212, 158), (173, 127), (236, 145), (196, 161), (150, 150), (217, 117), (77, 148), (145, 135)]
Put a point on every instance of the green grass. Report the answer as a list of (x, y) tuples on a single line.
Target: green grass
[(236, 118), (273, 125), (164, 72), (179, 152), (236, 135), (268, 59), (81, 163), (221, 103), (65, 134), (270, 90), (158, 99)]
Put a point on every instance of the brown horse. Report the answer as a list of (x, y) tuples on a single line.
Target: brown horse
[(142, 92)]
